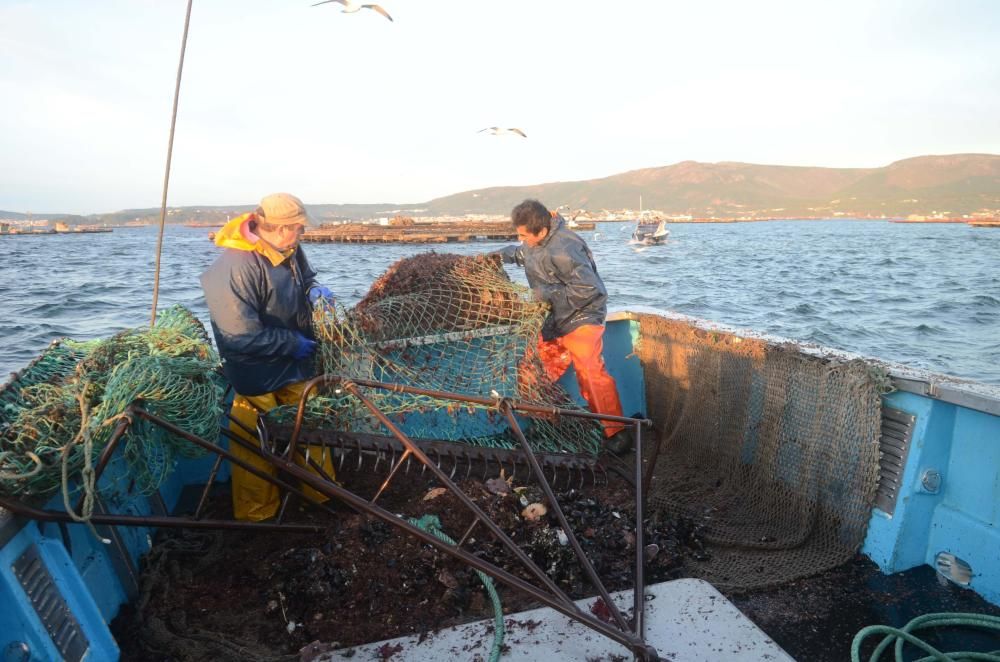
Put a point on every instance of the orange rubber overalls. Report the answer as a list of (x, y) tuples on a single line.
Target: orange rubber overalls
[(583, 348)]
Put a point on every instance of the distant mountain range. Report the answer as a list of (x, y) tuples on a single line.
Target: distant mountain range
[(957, 183), (954, 184)]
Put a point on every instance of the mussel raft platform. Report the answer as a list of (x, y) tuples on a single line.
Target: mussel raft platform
[(366, 233)]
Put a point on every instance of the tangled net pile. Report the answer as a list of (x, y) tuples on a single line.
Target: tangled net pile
[(58, 413), (448, 323)]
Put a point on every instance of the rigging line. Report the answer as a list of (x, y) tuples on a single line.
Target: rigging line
[(166, 174)]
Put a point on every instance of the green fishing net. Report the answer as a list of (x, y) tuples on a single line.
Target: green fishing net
[(447, 323), (58, 413)]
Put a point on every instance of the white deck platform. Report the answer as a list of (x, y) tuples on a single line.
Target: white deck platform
[(686, 619)]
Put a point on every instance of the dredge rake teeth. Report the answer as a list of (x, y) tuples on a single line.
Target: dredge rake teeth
[(468, 465), (376, 453)]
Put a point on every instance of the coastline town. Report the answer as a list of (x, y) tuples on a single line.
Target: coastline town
[(412, 225)]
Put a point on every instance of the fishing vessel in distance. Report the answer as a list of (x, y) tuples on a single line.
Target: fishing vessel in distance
[(649, 232)]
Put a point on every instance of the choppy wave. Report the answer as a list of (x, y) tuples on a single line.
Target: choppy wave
[(924, 296)]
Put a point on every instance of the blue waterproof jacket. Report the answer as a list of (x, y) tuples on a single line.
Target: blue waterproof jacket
[(257, 299), (561, 271)]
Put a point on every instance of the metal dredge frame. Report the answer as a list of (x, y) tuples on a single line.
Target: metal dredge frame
[(552, 596)]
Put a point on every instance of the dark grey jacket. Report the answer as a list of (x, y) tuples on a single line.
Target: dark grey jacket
[(561, 272), (256, 309)]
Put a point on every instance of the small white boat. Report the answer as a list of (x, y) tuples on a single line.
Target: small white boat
[(650, 234)]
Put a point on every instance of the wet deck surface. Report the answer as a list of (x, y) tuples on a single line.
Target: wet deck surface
[(817, 618)]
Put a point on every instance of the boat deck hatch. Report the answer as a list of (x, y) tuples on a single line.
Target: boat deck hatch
[(51, 607), (894, 446)]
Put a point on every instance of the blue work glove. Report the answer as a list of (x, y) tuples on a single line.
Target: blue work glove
[(304, 348), (319, 293)]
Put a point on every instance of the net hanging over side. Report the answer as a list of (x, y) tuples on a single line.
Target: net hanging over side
[(775, 452), (449, 323)]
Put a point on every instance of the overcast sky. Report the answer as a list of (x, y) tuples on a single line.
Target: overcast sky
[(279, 95)]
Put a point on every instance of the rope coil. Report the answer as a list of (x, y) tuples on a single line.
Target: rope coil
[(897, 637)]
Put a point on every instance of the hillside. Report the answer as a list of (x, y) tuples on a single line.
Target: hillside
[(18, 216), (219, 213), (954, 184), (958, 183)]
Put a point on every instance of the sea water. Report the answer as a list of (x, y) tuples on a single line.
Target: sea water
[(925, 295)]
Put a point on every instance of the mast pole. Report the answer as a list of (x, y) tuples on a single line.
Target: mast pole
[(166, 174)]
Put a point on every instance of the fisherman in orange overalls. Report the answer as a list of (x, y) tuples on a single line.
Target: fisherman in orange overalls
[(561, 272)]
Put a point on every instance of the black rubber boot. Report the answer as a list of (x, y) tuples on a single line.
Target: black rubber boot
[(619, 443)]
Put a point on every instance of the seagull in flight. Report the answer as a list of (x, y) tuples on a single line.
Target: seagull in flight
[(497, 131), (351, 6)]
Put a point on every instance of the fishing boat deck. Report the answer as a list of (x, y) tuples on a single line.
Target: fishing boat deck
[(815, 618)]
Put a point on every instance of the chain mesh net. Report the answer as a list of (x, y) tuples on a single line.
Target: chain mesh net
[(774, 451), (447, 323), (58, 413)]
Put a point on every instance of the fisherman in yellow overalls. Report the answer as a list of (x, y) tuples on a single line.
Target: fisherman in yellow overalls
[(260, 293)]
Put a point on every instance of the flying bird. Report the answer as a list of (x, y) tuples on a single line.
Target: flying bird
[(497, 131), (351, 6)]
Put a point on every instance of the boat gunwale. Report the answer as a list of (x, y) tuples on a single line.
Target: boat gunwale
[(967, 393)]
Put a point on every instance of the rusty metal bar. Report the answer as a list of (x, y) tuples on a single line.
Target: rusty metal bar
[(627, 638), (349, 442), (392, 473), (245, 428), (208, 486), (556, 601), (462, 496), (444, 395), (639, 591), (173, 429), (19, 508), (468, 532), (648, 479), (215, 467), (232, 436), (581, 556), (351, 387), (256, 434), (322, 472)]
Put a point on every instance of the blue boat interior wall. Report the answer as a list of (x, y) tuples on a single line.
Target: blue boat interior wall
[(950, 496), (84, 577)]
